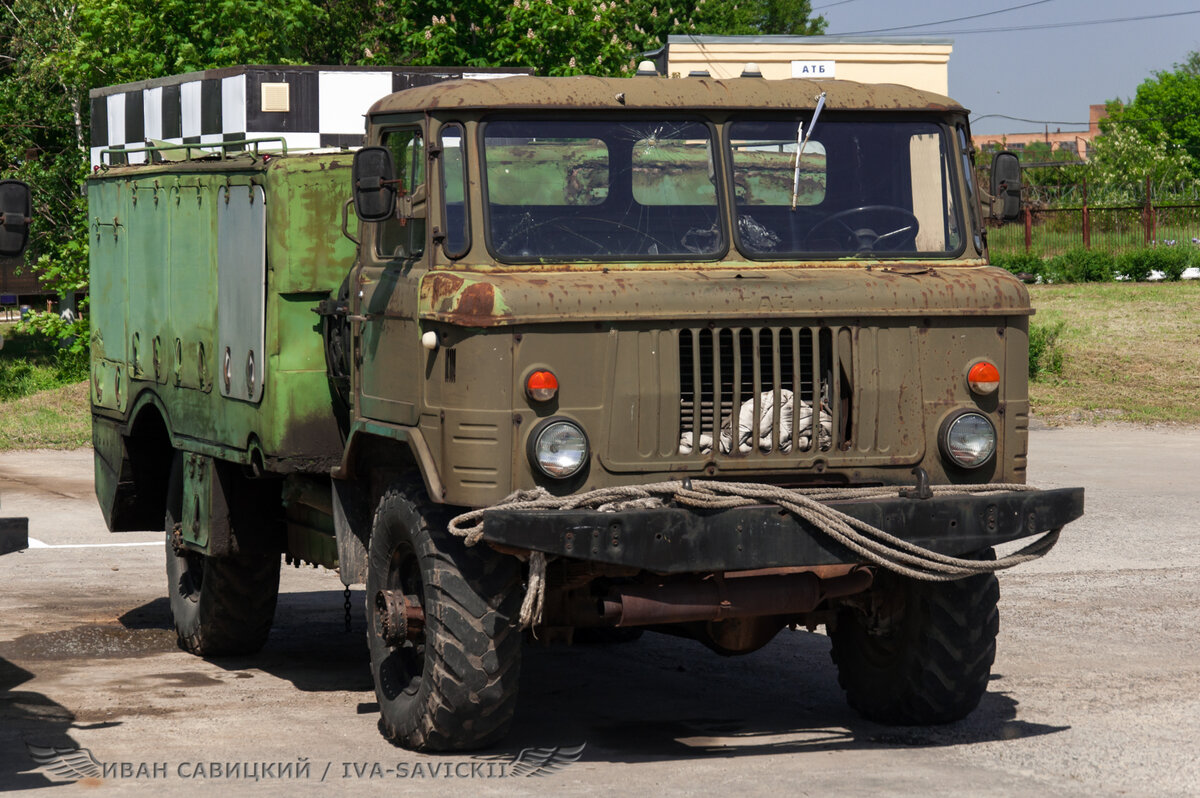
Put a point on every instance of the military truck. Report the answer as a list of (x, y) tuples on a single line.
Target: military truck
[(756, 318)]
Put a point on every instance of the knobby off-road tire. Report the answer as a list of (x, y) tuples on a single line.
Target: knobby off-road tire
[(453, 686), (221, 606), (930, 661)]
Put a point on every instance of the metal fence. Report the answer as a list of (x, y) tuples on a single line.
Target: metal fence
[(1055, 219)]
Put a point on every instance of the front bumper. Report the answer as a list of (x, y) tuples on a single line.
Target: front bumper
[(673, 540)]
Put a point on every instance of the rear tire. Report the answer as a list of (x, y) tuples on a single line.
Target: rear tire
[(452, 686), (222, 605), (925, 655)]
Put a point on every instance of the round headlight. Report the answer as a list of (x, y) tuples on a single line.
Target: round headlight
[(968, 439), (558, 448)]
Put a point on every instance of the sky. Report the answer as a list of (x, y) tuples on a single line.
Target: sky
[(1049, 75)]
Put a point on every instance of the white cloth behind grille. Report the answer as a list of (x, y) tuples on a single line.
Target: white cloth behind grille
[(763, 430)]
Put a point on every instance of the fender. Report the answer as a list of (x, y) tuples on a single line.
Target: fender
[(351, 487)]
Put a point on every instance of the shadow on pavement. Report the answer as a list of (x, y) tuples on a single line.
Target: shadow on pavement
[(31, 718), (653, 699), (663, 698)]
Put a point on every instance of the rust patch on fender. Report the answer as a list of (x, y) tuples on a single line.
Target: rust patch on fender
[(442, 288), (476, 302)]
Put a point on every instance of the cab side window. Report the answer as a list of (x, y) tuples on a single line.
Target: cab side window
[(454, 194), (401, 236)]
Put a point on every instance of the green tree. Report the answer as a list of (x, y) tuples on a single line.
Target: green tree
[(43, 116), (556, 37), (1125, 157), (1165, 109)]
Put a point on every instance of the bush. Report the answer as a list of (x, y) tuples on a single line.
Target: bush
[(21, 377), (1045, 355), (1171, 261), (1081, 266), (31, 362), (1135, 265), (1020, 263)]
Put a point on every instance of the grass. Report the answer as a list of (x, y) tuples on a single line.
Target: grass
[(1128, 352), (43, 401), (57, 418)]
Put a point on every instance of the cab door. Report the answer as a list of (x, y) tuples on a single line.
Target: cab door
[(384, 291)]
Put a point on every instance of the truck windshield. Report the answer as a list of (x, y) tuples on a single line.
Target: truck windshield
[(858, 186), (633, 189)]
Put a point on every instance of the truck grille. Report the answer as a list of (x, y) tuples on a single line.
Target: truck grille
[(747, 390)]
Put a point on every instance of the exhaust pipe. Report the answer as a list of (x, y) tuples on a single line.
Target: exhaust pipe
[(720, 598)]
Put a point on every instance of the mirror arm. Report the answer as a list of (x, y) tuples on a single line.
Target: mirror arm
[(14, 221), (346, 221)]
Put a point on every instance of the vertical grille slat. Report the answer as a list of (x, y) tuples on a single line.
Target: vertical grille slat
[(797, 386), (776, 392), (835, 388), (814, 377), (790, 374)]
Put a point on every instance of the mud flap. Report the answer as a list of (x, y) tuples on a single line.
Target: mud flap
[(116, 488), (204, 520), (352, 523)]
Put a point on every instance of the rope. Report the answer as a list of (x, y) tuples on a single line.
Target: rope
[(871, 544)]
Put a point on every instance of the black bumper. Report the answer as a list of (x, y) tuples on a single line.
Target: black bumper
[(676, 540)]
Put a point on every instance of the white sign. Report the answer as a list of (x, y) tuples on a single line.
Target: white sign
[(814, 69)]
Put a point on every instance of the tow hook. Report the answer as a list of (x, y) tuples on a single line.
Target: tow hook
[(922, 490)]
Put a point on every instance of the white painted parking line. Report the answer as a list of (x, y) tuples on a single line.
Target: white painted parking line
[(34, 543)]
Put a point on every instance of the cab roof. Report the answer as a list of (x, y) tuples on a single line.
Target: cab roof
[(528, 92)]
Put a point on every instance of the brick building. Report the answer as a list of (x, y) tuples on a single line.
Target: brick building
[(1078, 142)]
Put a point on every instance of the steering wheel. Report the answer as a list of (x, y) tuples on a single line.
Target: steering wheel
[(897, 222)]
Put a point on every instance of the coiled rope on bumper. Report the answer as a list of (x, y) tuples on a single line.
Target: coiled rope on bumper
[(873, 545)]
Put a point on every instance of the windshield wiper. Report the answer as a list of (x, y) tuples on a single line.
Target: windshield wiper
[(802, 142)]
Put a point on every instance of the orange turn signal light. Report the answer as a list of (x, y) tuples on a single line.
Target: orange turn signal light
[(541, 386), (983, 377)]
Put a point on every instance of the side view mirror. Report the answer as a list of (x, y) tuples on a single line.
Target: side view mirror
[(374, 176), (16, 208), (1006, 185)]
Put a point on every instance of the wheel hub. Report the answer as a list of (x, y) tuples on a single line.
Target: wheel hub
[(398, 618)]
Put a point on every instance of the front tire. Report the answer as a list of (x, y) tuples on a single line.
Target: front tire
[(220, 606), (923, 653), (451, 683)]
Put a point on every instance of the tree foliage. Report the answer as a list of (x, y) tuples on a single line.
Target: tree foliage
[(1165, 113), (1125, 158), (556, 37)]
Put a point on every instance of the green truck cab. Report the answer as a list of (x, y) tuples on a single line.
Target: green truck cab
[(524, 291)]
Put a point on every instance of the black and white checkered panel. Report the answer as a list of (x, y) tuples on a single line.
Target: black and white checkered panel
[(190, 112), (325, 108)]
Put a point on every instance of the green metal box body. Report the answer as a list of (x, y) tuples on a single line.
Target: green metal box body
[(204, 279)]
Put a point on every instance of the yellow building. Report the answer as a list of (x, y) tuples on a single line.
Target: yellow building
[(922, 63)]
